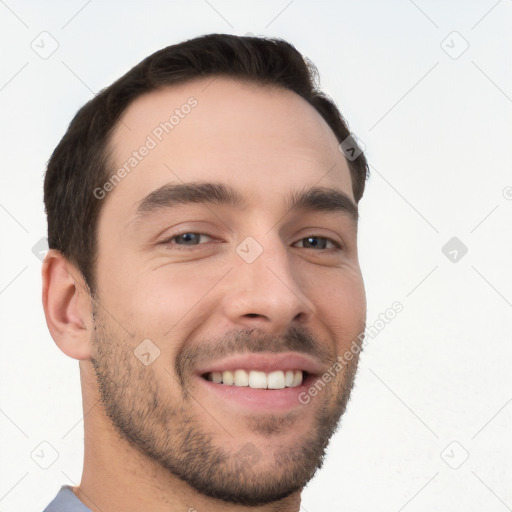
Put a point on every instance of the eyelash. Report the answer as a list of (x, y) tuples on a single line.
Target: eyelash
[(168, 241)]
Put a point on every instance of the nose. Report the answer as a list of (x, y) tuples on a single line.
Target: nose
[(267, 293)]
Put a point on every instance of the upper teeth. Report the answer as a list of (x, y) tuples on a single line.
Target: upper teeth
[(258, 380)]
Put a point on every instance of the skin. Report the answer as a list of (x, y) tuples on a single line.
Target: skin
[(199, 303)]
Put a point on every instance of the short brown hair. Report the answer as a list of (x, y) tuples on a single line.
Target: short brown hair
[(81, 161)]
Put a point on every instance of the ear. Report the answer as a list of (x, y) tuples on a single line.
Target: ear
[(67, 306)]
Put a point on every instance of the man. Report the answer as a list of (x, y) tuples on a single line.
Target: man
[(203, 269)]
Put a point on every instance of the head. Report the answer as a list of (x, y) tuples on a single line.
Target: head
[(202, 222)]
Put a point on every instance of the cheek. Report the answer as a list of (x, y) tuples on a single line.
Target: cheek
[(169, 297), (341, 305)]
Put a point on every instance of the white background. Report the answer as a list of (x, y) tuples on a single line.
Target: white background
[(435, 385)]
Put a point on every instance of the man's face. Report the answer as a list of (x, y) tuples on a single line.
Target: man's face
[(261, 292)]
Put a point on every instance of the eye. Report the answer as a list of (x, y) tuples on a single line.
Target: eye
[(191, 239), (186, 239), (318, 242)]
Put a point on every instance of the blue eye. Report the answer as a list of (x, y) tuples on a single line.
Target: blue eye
[(192, 239), (188, 238)]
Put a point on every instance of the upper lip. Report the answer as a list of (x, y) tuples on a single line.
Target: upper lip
[(264, 361)]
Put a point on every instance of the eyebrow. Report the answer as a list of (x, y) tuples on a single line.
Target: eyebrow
[(321, 199)]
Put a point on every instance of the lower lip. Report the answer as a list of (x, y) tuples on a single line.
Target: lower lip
[(261, 400)]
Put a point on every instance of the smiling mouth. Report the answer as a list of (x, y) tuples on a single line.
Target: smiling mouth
[(255, 379)]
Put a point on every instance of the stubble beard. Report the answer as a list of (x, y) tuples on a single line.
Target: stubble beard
[(171, 435)]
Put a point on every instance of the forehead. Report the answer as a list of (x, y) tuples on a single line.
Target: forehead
[(260, 140)]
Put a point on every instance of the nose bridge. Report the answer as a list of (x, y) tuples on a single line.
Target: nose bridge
[(265, 291)]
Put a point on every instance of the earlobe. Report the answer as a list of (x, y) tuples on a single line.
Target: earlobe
[(67, 305)]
